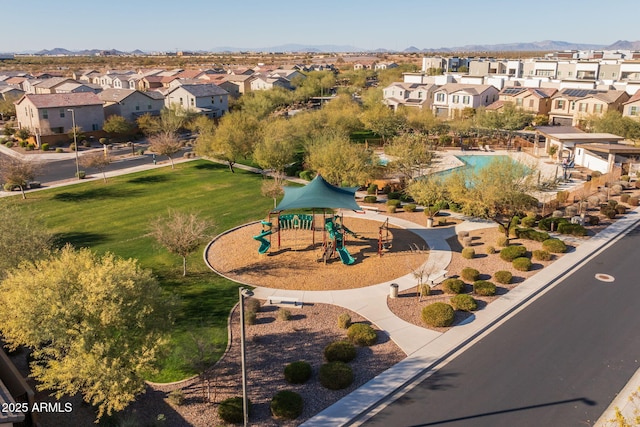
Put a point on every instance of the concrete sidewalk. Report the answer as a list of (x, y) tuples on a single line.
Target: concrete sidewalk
[(436, 348)]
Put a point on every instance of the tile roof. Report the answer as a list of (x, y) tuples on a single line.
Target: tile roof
[(62, 99), (634, 98), (201, 90), (115, 95), (53, 82), (461, 87)]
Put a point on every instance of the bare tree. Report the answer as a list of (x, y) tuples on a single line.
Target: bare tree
[(180, 233), (165, 144), (15, 172), (97, 161), (272, 188)]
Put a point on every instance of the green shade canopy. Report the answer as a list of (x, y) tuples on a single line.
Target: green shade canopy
[(319, 194)]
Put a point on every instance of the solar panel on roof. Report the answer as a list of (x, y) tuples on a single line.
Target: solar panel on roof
[(511, 91), (579, 93)]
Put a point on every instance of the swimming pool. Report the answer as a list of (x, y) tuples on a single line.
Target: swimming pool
[(472, 164)]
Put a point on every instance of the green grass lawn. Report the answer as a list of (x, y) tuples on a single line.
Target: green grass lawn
[(115, 217)]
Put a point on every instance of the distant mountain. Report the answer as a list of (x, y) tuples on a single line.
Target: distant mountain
[(545, 45), (292, 47), (54, 51), (624, 45), (411, 49)]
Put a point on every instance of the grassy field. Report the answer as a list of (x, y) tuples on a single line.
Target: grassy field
[(114, 217)]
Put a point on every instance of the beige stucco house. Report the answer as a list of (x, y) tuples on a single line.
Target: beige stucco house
[(452, 98), (415, 95), (571, 107)]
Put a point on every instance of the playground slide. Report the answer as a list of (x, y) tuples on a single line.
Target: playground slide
[(264, 243), (345, 256)]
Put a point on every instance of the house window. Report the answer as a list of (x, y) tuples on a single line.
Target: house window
[(192, 102), (181, 101), (465, 100), (455, 99), (633, 111), (560, 104), (137, 108), (582, 107), (419, 94), (613, 74), (573, 105), (95, 127), (45, 114), (519, 102), (440, 97), (149, 107), (531, 103), (597, 108), (62, 113)]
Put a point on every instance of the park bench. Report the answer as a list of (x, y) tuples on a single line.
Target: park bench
[(437, 277), (276, 299)]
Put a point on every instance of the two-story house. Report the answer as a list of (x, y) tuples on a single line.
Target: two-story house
[(418, 95), (451, 99), (631, 108), (129, 103), (54, 114), (207, 99), (571, 107), (532, 100)]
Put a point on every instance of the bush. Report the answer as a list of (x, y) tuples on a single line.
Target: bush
[(297, 372), (342, 351), (393, 195), (596, 174), (512, 252), (466, 241), (438, 314), (86, 144), (287, 404), (81, 174), (625, 198), (231, 411), (633, 201), (469, 273), (307, 175), (372, 189), (484, 288), (546, 223), (571, 211), (502, 241), (250, 317), (541, 255), (491, 250), (391, 209), (252, 304), (468, 253), (503, 276), (284, 314), (370, 199), (362, 334), (394, 202), (522, 264), (463, 234), (592, 219), (572, 229), (626, 178), (72, 146), (44, 146), (59, 150), (344, 321), (528, 221), (410, 207), (531, 234), (557, 214), (176, 397), (335, 375), (9, 144), (453, 286), (562, 196), (555, 246), (9, 187), (30, 147), (424, 290), (464, 302), (609, 212)]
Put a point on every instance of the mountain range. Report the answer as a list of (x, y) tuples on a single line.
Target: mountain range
[(546, 45)]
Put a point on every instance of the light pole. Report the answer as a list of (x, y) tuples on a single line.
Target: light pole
[(243, 292), (75, 140)]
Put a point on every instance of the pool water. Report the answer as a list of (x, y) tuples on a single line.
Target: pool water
[(472, 164)]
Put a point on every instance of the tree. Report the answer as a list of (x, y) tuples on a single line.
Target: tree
[(272, 188), (97, 161), (234, 138), (180, 233), (410, 155), (340, 161), (171, 120), (509, 119), (7, 107), (613, 122), (117, 124), (148, 124), (276, 150), (23, 237), (165, 144), (16, 172), (382, 120), (94, 324), (23, 134), (431, 192), (499, 192)]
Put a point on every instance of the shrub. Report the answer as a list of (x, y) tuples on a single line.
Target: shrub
[(342, 351), (571, 210), (284, 314), (615, 190), (176, 397), (625, 198), (572, 229), (370, 199), (81, 174), (335, 375), (463, 234), (231, 411), (344, 321), (410, 207), (466, 241), (522, 264), (512, 252), (394, 202), (250, 317), (531, 234), (30, 147), (297, 372), (464, 302), (557, 214), (541, 255), (621, 209), (72, 146), (59, 150), (44, 146), (391, 209), (502, 241), (547, 223), (468, 253), (626, 178), (438, 314), (372, 189), (393, 195), (633, 201), (484, 288), (593, 201), (86, 143), (252, 304), (286, 404), (424, 290), (469, 273), (453, 286), (592, 219), (596, 174), (555, 246), (9, 144), (362, 334), (307, 175), (103, 141), (491, 250), (528, 221), (562, 196), (503, 276), (608, 211)]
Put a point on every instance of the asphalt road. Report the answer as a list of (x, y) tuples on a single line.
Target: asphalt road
[(559, 362)]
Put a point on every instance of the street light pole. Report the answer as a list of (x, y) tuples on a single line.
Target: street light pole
[(75, 140), (243, 356)]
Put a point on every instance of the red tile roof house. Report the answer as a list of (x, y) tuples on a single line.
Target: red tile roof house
[(49, 117)]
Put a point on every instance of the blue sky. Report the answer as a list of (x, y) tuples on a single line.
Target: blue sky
[(165, 25)]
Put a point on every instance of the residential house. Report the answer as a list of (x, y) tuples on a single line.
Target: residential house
[(409, 95), (631, 107), (385, 65), (150, 82), (364, 65), (50, 114), (571, 107), (49, 85), (243, 81), (261, 82), (532, 100), (75, 87), (207, 99), (129, 103), (287, 74), (10, 92), (451, 99), (18, 81)]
